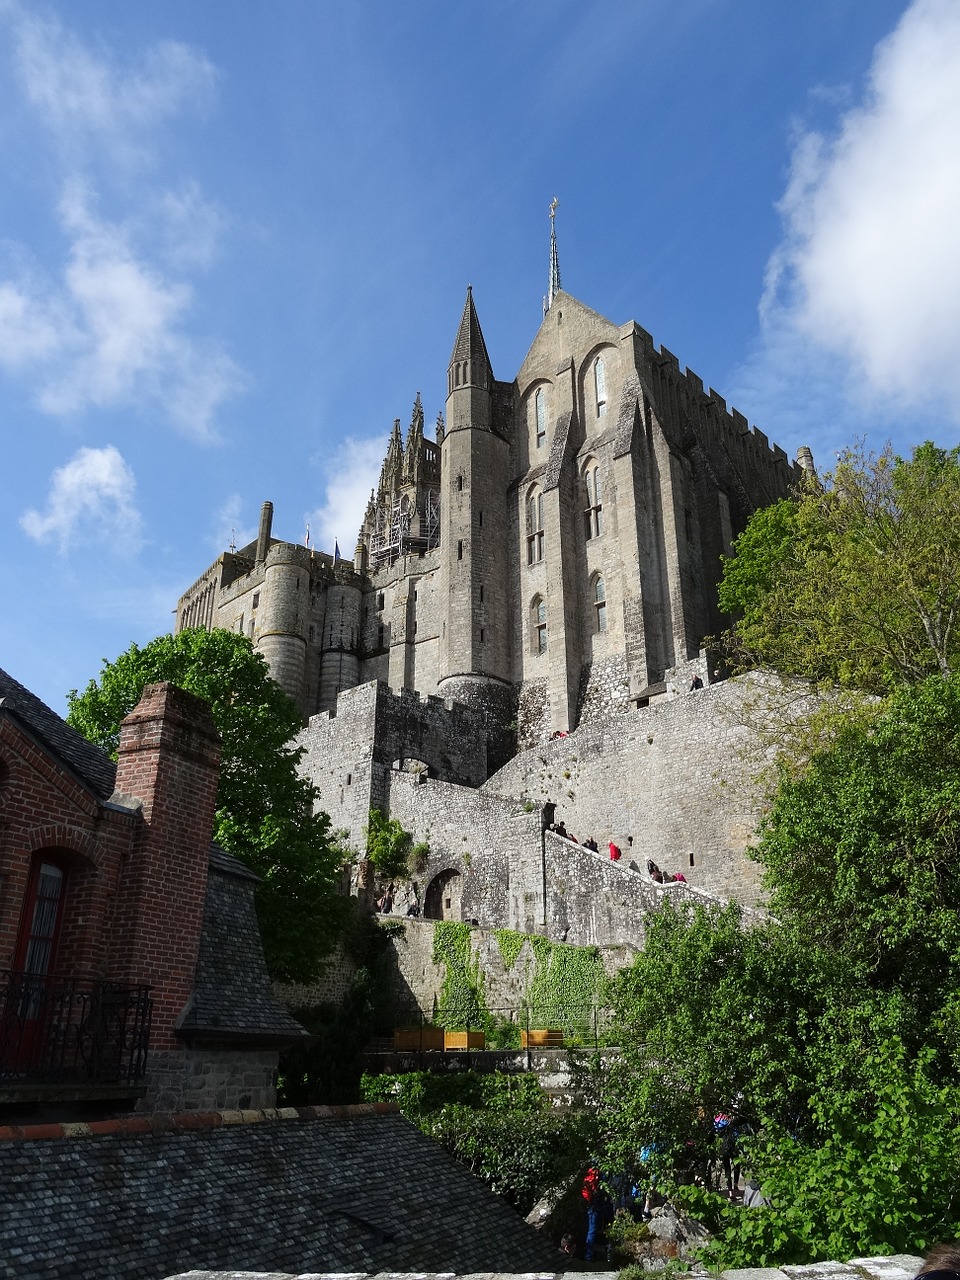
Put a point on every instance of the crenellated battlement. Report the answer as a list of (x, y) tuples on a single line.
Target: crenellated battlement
[(712, 406)]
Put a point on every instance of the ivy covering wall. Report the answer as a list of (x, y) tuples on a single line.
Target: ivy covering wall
[(562, 984)]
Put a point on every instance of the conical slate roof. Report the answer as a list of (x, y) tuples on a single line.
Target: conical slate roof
[(470, 344)]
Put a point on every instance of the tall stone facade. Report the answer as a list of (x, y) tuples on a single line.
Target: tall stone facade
[(556, 549)]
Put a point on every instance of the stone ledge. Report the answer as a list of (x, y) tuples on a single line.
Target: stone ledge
[(898, 1266), (183, 1120)]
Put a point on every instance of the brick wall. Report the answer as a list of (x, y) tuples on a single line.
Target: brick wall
[(168, 757)]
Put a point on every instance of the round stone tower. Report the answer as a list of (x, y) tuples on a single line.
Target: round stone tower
[(339, 645)]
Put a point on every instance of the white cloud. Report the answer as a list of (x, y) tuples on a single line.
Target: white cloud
[(82, 95), (111, 332), (111, 326), (355, 468), (868, 274), (91, 499)]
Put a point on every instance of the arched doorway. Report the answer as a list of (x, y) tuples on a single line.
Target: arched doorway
[(443, 899)]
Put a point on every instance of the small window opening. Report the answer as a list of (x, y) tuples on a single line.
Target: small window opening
[(692, 860), (256, 599), (600, 384), (460, 550), (535, 528), (540, 625), (541, 413), (600, 604), (593, 512), (349, 779), (460, 483), (380, 600)]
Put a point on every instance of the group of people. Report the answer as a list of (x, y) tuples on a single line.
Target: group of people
[(616, 853), (559, 829), (664, 877)]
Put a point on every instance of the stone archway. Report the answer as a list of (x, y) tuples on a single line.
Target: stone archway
[(443, 899)]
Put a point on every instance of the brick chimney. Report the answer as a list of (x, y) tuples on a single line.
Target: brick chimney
[(169, 759)]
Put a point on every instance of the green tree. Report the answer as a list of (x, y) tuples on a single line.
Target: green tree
[(265, 810), (856, 580), (833, 1029), (390, 848), (861, 850)]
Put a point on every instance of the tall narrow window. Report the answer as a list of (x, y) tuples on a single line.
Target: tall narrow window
[(600, 383), (539, 612), (541, 411), (534, 526), (600, 604), (593, 511)]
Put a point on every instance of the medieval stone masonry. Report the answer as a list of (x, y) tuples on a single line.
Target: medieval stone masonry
[(526, 592), (558, 546)]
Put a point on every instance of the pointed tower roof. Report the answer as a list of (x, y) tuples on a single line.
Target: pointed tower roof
[(470, 344)]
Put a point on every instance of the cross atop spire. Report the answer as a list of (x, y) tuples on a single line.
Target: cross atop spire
[(554, 260)]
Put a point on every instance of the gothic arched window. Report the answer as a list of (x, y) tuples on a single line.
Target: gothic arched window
[(540, 409), (593, 511), (600, 385), (600, 603), (538, 620), (534, 526)]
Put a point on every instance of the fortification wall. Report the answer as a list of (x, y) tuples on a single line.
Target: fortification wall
[(675, 778), (492, 843), (417, 980), (350, 752)]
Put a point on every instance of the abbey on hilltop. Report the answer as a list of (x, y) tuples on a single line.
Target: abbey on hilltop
[(556, 548)]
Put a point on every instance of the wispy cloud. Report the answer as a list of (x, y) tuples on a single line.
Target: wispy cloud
[(356, 466), (111, 327), (867, 276), (84, 97), (91, 499)]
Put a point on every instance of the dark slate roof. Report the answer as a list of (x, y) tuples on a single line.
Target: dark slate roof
[(220, 860), (88, 762), (469, 342), (231, 995), (354, 1193)]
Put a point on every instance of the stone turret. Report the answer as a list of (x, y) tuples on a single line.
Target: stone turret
[(475, 475)]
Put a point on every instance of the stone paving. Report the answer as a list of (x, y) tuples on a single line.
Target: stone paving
[(899, 1266)]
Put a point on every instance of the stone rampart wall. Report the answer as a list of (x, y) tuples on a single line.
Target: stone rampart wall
[(672, 782)]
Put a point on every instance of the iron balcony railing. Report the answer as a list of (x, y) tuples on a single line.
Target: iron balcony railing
[(56, 1030)]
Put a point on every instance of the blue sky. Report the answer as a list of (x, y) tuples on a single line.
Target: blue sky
[(235, 240)]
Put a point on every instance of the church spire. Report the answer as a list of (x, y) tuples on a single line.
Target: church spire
[(554, 260), (469, 364)]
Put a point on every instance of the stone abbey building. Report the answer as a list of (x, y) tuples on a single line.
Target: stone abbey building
[(557, 546), (528, 593)]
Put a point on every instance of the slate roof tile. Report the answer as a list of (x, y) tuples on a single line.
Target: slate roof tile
[(349, 1193)]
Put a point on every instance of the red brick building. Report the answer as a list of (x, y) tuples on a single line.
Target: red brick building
[(131, 971)]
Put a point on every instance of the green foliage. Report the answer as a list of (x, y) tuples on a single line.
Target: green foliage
[(418, 1091), (833, 1031), (265, 809), (326, 1069), (856, 580), (518, 1155), (500, 1126), (461, 1005), (564, 988), (861, 850), (391, 849), (510, 943)]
